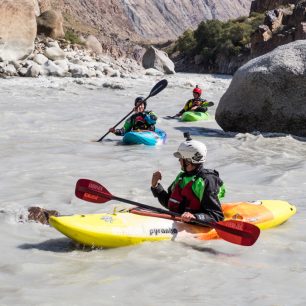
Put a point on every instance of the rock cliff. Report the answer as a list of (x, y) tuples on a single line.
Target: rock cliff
[(282, 26), (119, 24), (167, 19), (282, 22), (124, 26), (157, 20), (260, 6)]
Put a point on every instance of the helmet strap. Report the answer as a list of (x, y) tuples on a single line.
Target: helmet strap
[(185, 164)]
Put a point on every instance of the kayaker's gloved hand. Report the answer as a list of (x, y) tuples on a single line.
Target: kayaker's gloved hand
[(201, 109), (150, 118), (118, 132), (156, 177)]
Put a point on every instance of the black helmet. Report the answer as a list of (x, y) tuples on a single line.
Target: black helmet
[(139, 99)]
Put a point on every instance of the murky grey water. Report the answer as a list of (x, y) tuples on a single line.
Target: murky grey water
[(45, 145)]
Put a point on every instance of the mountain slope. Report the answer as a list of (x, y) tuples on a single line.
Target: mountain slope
[(158, 20), (167, 19)]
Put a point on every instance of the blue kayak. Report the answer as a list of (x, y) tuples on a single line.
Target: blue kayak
[(148, 138)]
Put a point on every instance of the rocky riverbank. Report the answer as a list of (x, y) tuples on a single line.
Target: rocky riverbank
[(62, 59)]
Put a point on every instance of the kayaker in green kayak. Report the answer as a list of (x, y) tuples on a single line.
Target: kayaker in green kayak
[(196, 104), (196, 191), (139, 121)]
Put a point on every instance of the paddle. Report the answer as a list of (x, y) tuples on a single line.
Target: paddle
[(233, 231), (208, 104), (154, 91)]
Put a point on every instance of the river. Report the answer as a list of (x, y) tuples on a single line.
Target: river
[(48, 128)]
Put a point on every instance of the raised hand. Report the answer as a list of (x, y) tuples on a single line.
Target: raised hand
[(156, 177)]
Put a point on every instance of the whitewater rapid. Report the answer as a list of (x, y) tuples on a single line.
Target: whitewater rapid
[(48, 128)]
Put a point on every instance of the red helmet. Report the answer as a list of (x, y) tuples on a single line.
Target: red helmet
[(197, 90)]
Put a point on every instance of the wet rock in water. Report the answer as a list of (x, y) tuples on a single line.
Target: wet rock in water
[(112, 85), (268, 94), (41, 215)]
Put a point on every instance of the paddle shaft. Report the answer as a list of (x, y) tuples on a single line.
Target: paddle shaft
[(159, 210), (171, 213), (112, 197), (174, 214), (119, 122)]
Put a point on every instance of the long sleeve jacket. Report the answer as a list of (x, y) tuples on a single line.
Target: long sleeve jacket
[(207, 186), (139, 121)]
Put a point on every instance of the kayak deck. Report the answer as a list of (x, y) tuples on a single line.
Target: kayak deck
[(127, 228), (195, 116), (149, 138)]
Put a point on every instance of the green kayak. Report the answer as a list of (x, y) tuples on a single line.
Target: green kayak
[(195, 116)]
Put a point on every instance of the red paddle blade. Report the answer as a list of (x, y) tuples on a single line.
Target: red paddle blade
[(237, 232), (92, 191)]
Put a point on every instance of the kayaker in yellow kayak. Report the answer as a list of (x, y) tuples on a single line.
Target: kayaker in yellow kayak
[(196, 191), (140, 120), (196, 104)]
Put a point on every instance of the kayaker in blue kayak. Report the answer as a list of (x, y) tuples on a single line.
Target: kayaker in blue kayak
[(196, 191), (196, 104), (139, 121)]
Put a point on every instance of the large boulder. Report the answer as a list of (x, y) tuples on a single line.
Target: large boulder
[(54, 53), (50, 23), (159, 60), (93, 44), (17, 29), (268, 94), (44, 5)]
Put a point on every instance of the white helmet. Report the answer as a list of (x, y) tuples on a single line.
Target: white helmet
[(193, 150)]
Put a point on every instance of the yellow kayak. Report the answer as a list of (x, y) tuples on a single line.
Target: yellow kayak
[(136, 226)]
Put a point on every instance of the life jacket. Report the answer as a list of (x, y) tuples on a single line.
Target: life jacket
[(190, 103), (140, 123), (183, 199)]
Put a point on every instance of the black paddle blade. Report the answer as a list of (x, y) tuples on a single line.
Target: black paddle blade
[(209, 104), (171, 117), (158, 87), (91, 191)]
